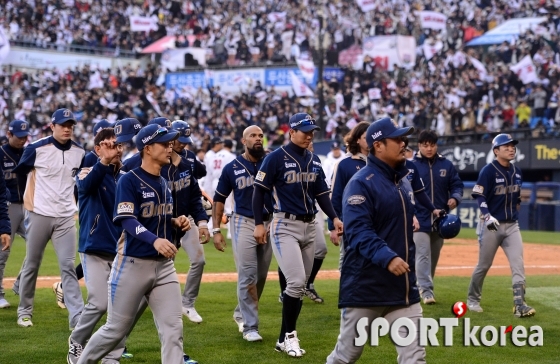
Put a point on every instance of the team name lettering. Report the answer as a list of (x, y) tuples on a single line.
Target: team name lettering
[(8, 175), (148, 194), (11, 164), (146, 139), (181, 183), (502, 190), (291, 165), (293, 177), (243, 182), (151, 209), (376, 135), (237, 173)]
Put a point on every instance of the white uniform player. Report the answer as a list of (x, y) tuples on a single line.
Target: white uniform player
[(222, 158), (333, 157), (212, 164)]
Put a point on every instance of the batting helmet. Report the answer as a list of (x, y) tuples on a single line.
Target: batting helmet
[(447, 226), (184, 130), (503, 139)]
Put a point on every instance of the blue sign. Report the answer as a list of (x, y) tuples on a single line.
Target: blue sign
[(180, 80), (333, 72), (280, 76)]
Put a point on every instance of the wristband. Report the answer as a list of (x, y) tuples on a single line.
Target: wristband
[(216, 231)]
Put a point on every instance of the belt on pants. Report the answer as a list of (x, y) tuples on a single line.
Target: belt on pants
[(506, 221), (304, 218), (265, 217)]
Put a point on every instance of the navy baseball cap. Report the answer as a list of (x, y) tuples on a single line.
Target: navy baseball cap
[(126, 129), (19, 128), (335, 145), (102, 124), (151, 134), (383, 129), (184, 130), (304, 122), (161, 121), (228, 143), (216, 140), (61, 116)]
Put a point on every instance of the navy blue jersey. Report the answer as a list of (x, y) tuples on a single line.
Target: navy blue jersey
[(131, 163), (15, 184), (501, 187), (5, 226), (90, 159), (239, 176), (343, 171), (295, 179), (414, 177), (198, 169), (148, 199)]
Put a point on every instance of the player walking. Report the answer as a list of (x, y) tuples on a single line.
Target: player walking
[(51, 164), (91, 157), (144, 265), (252, 259), (296, 179), (213, 166), (498, 193)]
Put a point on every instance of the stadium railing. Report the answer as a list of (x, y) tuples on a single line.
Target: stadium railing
[(73, 48)]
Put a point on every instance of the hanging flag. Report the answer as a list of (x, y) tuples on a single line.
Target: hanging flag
[(307, 69), (300, 88), (525, 70)]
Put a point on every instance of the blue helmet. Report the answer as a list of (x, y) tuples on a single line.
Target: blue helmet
[(503, 139), (101, 124), (184, 130), (447, 226)]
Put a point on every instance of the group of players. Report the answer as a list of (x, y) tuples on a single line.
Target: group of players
[(135, 215)]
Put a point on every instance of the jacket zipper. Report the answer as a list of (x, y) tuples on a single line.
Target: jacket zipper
[(405, 240), (432, 190), (95, 222)]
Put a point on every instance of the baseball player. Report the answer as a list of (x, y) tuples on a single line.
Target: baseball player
[(498, 193), (10, 153), (252, 259), (213, 166), (296, 179), (223, 157), (136, 160), (445, 191), (143, 267), (51, 164), (333, 158), (98, 237), (187, 201), (91, 157), (377, 278)]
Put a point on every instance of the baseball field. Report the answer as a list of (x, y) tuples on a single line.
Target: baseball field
[(216, 340)]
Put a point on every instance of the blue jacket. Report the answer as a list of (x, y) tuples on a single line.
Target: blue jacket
[(378, 210), (131, 163), (441, 182), (343, 171), (90, 159), (15, 183), (96, 196), (5, 226)]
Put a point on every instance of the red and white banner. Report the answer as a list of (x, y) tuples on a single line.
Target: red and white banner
[(143, 23), (525, 70), (366, 5), (432, 20), (300, 88), (307, 69), (388, 50), (431, 49), (374, 93)]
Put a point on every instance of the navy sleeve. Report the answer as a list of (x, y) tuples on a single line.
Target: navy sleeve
[(258, 203), (126, 200), (138, 231), (326, 206), (424, 200), (416, 183), (225, 186), (90, 182), (199, 169), (5, 226), (27, 161), (483, 184), (455, 185), (337, 190), (197, 211), (266, 174), (483, 205)]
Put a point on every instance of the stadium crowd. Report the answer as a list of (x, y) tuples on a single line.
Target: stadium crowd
[(447, 93)]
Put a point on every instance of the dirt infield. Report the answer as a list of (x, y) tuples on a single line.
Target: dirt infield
[(458, 258)]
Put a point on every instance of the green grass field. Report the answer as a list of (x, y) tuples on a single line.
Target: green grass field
[(216, 340)]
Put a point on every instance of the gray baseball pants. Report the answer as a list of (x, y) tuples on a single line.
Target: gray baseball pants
[(320, 242), (428, 248), (191, 243), (131, 280), (62, 232), (508, 237), (252, 261), (345, 352), (96, 275), (16, 213)]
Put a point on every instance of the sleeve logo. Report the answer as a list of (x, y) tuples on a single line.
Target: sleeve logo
[(260, 176), (356, 199), (125, 208), (478, 189)]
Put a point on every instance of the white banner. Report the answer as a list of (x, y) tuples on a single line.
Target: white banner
[(374, 93), (4, 46), (525, 70), (300, 88), (366, 5), (175, 58), (430, 50), (277, 17), (307, 69), (482, 73), (388, 50), (432, 20), (143, 23)]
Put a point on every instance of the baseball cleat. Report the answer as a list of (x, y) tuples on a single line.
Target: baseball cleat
[(523, 311), (474, 306), (280, 348), (74, 351), (57, 289), (291, 345), (126, 354), (313, 295), (239, 322), (187, 359), (281, 297), (192, 315), (252, 336), (428, 298), (24, 322), (4, 303)]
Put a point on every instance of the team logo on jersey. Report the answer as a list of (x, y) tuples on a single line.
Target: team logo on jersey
[(500, 180), (237, 173), (356, 200), (317, 163), (442, 172), (260, 176), (291, 165), (478, 189), (125, 208), (148, 194)]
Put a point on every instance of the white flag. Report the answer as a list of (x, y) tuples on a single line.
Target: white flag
[(300, 88), (143, 23), (430, 50), (479, 67), (307, 69), (432, 20), (366, 5), (525, 70)]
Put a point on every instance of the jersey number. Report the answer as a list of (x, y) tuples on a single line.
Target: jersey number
[(217, 163)]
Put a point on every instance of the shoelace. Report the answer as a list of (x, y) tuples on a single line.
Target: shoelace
[(292, 344), (76, 349)]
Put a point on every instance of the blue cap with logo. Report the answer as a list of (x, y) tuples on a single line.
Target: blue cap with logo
[(161, 121), (19, 128), (383, 129), (184, 130), (151, 134), (101, 124), (61, 116), (304, 122), (126, 129)]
